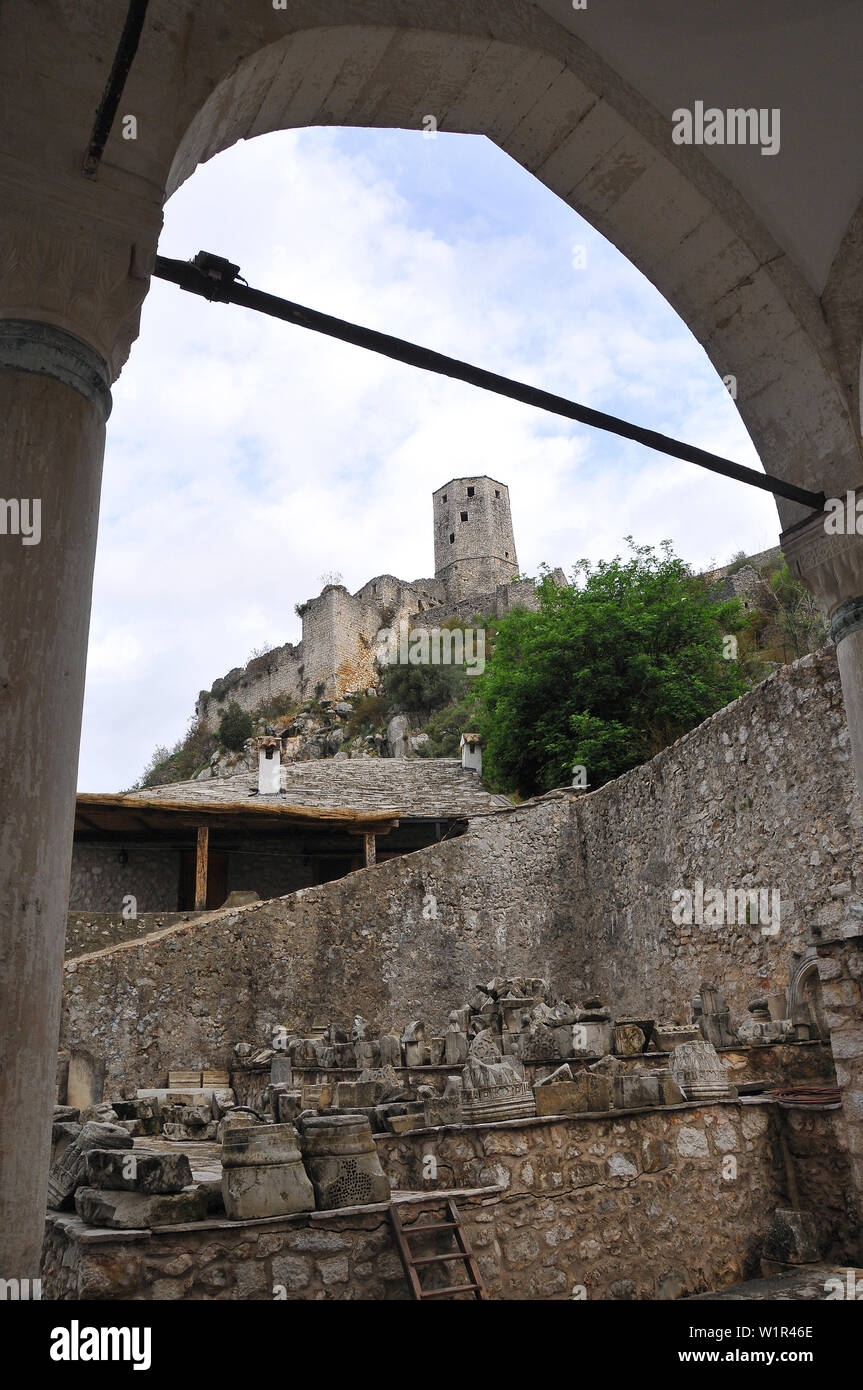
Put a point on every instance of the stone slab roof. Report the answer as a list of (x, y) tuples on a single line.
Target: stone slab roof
[(422, 788)]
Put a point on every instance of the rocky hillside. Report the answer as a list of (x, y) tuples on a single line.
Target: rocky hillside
[(338, 729)]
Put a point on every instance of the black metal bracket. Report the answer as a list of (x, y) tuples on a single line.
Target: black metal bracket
[(123, 58)]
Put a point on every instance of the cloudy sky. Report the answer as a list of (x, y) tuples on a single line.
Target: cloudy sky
[(246, 459)]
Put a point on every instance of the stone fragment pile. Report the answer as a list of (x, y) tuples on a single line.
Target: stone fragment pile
[(527, 1023), (96, 1172)]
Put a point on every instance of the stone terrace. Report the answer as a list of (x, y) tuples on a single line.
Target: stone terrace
[(622, 1205)]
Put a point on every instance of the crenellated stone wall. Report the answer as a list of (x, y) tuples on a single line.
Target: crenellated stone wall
[(336, 655)]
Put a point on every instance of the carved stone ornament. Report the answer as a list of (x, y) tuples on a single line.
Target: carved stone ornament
[(831, 567), (85, 277)]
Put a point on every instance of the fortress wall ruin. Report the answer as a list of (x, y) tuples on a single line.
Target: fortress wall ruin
[(575, 887), (336, 654), (502, 599)]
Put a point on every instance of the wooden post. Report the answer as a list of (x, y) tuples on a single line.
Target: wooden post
[(201, 857), (371, 852)]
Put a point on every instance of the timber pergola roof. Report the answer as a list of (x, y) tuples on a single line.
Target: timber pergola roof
[(128, 815)]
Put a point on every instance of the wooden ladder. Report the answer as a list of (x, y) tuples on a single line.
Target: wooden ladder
[(413, 1263)]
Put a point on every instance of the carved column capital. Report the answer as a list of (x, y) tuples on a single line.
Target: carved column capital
[(830, 564), (80, 267)]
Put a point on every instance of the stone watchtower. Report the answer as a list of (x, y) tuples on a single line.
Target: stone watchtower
[(474, 546)]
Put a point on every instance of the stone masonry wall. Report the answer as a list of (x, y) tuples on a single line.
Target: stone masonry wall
[(502, 599), (93, 931), (361, 944), (645, 1204), (760, 795), (99, 882), (336, 652), (578, 888), (840, 968), (651, 1205)]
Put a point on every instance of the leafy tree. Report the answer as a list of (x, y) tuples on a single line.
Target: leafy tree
[(235, 726), (606, 673)]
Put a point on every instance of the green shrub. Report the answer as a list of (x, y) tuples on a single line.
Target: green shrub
[(235, 726), (369, 716), (446, 726), (423, 688)]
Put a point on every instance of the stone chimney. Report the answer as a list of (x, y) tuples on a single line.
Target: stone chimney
[(471, 753), (269, 766)]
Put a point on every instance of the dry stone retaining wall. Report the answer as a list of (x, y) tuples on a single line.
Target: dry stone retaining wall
[(638, 1206)]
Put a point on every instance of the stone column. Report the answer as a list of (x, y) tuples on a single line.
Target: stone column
[(74, 270), (831, 566), (54, 400)]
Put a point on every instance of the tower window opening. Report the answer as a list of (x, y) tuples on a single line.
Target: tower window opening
[(443, 499), (470, 491), (497, 492), (452, 537), (463, 516)]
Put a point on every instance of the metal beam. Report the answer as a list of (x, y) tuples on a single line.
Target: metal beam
[(123, 59), (214, 278)]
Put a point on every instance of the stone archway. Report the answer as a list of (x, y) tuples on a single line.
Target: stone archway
[(75, 255), (551, 104), (804, 990)]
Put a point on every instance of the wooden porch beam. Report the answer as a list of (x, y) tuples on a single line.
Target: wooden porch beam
[(201, 857)]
